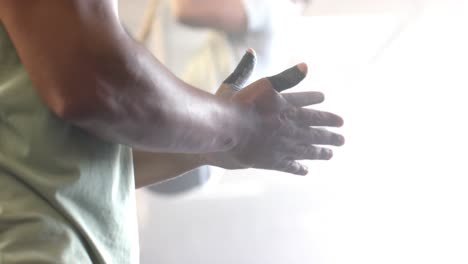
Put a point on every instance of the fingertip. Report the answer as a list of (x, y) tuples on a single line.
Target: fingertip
[(320, 97), (303, 68), (251, 51), (303, 170), (341, 140), (250, 56), (340, 122)]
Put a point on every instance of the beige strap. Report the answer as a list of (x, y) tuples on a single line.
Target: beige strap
[(148, 18)]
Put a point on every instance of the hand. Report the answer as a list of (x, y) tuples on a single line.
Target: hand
[(284, 131)]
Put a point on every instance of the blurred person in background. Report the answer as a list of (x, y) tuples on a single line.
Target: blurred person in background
[(78, 94), (215, 35)]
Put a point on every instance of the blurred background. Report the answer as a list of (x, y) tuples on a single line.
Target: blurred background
[(397, 192)]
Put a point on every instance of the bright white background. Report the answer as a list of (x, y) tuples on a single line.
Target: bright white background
[(396, 193)]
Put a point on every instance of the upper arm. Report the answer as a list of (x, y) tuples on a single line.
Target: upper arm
[(62, 44), (226, 15)]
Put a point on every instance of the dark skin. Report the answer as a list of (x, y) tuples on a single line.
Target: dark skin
[(152, 168), (286, 111), (89, 72)]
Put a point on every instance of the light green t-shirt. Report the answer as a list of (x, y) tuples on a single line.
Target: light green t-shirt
[(65, 195)]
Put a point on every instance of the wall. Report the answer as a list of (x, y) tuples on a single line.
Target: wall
[(396, 193)]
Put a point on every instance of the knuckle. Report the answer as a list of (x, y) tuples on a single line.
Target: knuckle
[(319, 117), (288, 131), (303, 150), (278, 164), (275, 123), (322, 153), (314, 152), (314, 133), (323, 133), (286, 165), (292, 113), (293, 167), (296, 133)]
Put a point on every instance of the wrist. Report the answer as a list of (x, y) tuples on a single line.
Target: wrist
[(243, 124), (198, 160)]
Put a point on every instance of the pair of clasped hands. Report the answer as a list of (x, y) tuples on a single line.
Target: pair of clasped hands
[(285, 132)]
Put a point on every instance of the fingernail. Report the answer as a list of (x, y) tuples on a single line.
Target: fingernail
[(302, 67), (251, 51), (304, 170), (329, 154)]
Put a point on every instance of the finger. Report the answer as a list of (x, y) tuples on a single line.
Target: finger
[(291, 166), (243, 71), (307, 152), (314, 136), (304, 98), (311, 117), (288, 78), (225, 91)]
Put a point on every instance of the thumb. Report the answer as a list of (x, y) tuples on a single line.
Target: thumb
[(236, 81)]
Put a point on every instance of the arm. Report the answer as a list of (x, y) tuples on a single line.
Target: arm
[(276, 154), (91, 73), (151, 168), (225, 15)]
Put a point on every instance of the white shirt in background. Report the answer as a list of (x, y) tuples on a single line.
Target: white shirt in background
[(205, 57)]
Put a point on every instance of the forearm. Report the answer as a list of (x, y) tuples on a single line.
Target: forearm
[(152, 168), (147, 107), (91, 73)]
